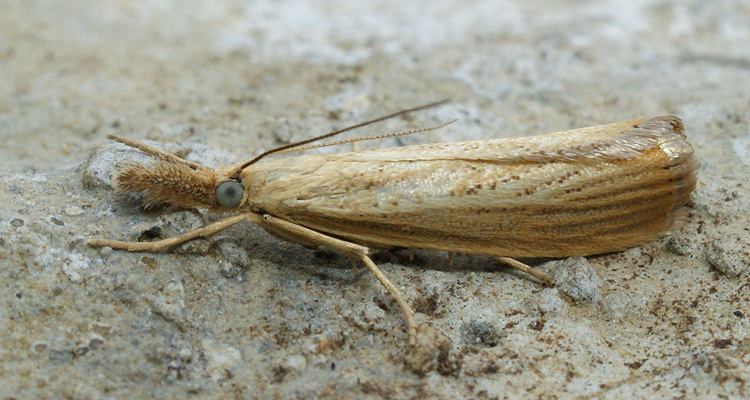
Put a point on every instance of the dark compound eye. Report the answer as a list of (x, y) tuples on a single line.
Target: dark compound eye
[(229, 194)]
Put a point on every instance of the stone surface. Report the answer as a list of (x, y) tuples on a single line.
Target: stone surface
[(244, 315)]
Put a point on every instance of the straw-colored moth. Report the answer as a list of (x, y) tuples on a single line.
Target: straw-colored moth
[(579, 192)]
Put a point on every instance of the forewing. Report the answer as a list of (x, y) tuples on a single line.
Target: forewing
[(579, 192)]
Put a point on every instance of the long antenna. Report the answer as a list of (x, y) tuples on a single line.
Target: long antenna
[(376, 137), (266, 153)]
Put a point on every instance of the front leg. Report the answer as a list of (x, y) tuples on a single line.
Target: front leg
[(208, 230), (350, 249)]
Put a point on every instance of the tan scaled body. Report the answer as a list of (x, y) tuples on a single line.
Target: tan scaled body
[(579, 192)]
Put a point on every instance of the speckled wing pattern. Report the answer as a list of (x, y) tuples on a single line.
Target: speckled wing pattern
[(579, 192)]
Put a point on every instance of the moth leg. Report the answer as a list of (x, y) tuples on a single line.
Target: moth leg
[(393, 290), (158, 245), (525, 268), (353, 250)]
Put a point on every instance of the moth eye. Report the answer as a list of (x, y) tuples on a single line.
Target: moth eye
[(229, 194)]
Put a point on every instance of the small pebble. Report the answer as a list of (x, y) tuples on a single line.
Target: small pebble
[(186, 354), (39, 347), (576, 278), (682, 245), (95, 342), (106, 251), (17, 222), (295, 362), (80, 350), (149, 234), (101, 328), (730, 256), (480, 332)]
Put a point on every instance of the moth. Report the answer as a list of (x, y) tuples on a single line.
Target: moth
[(578, 192)]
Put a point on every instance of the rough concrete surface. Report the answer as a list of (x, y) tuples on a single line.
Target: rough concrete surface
[(244, 315)]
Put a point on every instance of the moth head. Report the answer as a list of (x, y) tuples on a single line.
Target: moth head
[(167, 183), (170, 180)]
